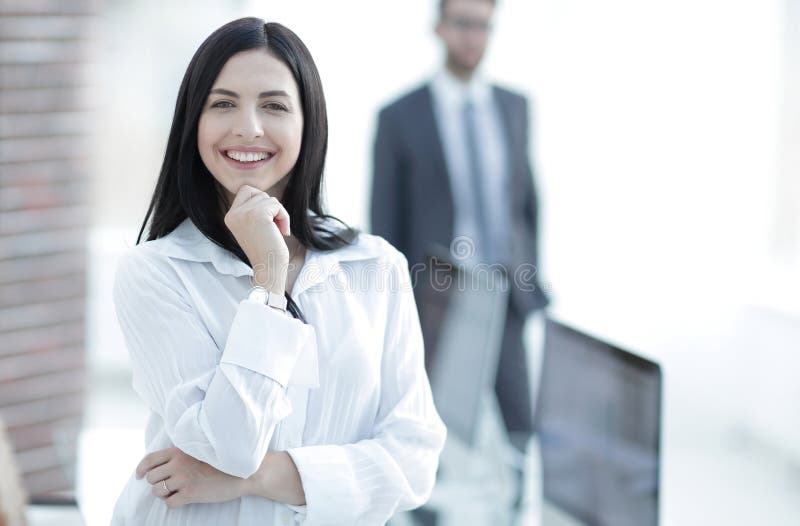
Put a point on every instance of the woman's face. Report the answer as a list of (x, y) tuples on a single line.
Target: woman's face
[(251, 127)]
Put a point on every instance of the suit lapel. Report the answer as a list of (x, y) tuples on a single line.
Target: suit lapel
[(511, 141), (507, 120), (432, 142)]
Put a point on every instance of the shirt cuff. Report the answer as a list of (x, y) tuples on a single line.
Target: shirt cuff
[(270, 343), (327, 483)]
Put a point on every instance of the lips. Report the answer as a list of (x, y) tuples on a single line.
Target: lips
[(246, 154), (247, 158)]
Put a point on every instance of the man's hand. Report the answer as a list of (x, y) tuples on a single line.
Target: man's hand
[(188, 480)]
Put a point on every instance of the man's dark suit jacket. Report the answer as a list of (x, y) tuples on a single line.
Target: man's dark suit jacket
[(412, 202)]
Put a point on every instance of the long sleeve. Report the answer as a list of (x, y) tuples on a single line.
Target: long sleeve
[(388, 214), (395, 468), (220, 407)]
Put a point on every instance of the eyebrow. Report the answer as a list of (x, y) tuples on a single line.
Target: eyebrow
[(263, 94)]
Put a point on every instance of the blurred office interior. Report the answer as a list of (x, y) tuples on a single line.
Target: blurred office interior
[(666, 149)]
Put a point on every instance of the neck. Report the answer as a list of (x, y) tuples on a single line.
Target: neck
[(293, 245), (296, 249)]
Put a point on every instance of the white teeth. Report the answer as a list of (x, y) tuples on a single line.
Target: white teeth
[(247, 157)]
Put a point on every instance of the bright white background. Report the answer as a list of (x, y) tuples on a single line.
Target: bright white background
[(660, 146)]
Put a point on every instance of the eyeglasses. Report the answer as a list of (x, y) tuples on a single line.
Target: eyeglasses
[(468, 24)]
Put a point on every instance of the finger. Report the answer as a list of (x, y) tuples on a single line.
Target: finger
[(256, 201), (274, 207), (158, 490), (177, 500), (244, 193), (281, 217), (151, 460), (159, 473)]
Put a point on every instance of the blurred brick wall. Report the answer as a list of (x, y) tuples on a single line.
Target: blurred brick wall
[(44, 200)]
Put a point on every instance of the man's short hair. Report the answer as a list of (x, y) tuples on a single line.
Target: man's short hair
[(442, 3)]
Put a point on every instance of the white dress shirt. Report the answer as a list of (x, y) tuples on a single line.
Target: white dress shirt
[(227, 378), (449, 96)]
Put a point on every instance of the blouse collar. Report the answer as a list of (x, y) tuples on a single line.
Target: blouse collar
[(188, 243)]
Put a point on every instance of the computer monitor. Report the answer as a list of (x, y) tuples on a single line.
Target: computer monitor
[(462, 313), (599, 425)]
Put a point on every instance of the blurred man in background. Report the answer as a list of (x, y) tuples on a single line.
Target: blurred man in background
[(451, 163)]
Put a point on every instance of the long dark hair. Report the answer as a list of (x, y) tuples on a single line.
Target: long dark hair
[(186, 188)]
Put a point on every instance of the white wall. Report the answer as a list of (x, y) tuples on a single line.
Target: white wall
[(657, 134), (657, 153)]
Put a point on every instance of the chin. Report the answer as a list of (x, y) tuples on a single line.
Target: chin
[(468, 65), (474, 63)]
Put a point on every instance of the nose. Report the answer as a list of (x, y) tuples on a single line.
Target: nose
[(248, 126)]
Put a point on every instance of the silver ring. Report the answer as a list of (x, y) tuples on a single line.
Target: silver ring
[(164, 482)]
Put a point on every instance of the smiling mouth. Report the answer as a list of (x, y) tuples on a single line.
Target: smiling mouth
[(248, 157)]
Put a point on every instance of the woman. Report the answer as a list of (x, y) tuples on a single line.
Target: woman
[(267, 408)]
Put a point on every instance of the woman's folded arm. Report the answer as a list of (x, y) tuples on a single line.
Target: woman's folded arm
[(219, 407)]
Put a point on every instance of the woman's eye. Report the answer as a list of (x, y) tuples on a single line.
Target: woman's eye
[(222, 104), (275, 106)]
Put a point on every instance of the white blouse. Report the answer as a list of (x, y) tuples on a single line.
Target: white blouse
[(228, 379)]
